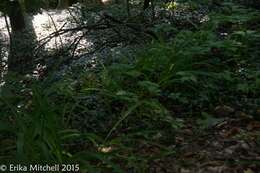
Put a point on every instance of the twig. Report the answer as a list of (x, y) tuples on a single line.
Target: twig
[(8, 29), (46, 41), (73, 17), (55, 29), (131, 26), (75, 29)]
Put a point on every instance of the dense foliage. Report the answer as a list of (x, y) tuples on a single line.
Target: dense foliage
[(193, 62)]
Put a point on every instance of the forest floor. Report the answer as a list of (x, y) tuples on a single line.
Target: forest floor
[(232, 145), (121, 113)]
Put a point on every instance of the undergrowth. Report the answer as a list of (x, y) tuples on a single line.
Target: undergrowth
[(106, 117)]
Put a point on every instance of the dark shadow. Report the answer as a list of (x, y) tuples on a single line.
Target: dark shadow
[(23, 39)]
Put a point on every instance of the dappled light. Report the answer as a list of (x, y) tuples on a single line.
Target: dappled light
[(44, 24), (133, 86)]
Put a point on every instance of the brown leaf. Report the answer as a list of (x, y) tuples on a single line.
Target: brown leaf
[(232, 132), (188, 132), (243, 115), (248, 171), (254, 125), (189, 154), (223, 111)]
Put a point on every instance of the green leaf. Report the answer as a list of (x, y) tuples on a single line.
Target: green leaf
[(126, 96), (6, 127), (208, 120), (151, 87), (243, 87), (187, 76), (124, 116), (133, 73)]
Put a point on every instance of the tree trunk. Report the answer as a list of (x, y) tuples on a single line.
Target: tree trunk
[(63, 4), (22, 39), (128, 8), (16, 16), (146, 4)]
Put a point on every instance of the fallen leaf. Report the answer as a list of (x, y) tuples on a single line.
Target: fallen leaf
[(231, 132), (248, 171), (254, 125), (223, 111)]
